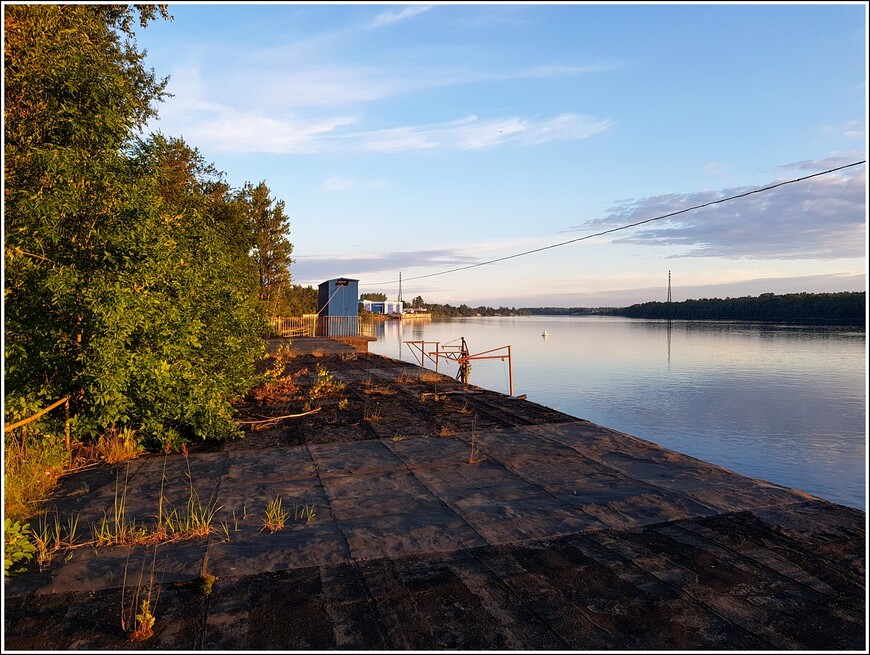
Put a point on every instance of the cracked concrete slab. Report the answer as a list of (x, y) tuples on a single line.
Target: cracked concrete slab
[(563, 535)]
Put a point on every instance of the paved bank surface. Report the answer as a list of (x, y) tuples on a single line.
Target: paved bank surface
[(425, 514)]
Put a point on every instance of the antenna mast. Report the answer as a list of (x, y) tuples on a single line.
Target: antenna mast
[(400, 289)]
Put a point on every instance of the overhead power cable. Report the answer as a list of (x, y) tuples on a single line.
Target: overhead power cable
[(628, 226)]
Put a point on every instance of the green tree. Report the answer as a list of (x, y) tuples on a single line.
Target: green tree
[(75, 86), (300, 300), (377, 297), (127, 284), (272, 249)]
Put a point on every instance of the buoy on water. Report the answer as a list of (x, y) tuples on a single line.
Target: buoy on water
[(544, 334)]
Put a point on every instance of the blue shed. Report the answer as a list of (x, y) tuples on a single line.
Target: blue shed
[(338, 307), (338, 297)]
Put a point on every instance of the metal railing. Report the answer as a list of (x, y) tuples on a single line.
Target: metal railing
[(311, 325)]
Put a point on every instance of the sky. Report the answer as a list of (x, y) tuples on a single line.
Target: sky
[(413, 139)]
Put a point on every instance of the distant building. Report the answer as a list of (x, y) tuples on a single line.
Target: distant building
[(382, 306)]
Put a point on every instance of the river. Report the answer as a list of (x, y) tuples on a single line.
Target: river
[(783, 403)]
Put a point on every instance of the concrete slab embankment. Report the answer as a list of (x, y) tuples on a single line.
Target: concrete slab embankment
[(528, 529)]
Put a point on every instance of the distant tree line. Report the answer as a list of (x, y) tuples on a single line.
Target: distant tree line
[(464, 311), (568, 311), (843, 308), (436, 309)]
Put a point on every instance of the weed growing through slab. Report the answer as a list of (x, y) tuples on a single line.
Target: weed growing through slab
[(283, 352), (138, 619), (206, 580), (117, 529), (371, 389), (410, 376), (407, 377), (303, 512), (324, 384), (445, 431), (429, 376), (144, 626), (195, 520), (474, 456), (118, 446), (278, 388), (276, 515), (52, 535), (373, 415), (42, 542)]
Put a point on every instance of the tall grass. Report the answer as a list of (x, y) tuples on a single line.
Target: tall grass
[(31, 468)]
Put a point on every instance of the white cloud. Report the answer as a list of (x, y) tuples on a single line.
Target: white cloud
[(471, 133), (308, 268), (819, 218), (848, 129), (230, 130), (390, 17), (275, 84), (324, 86)]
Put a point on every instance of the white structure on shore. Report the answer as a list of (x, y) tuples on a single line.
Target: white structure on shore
[(382, 306)]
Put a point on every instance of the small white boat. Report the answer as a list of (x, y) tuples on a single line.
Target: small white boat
[(544, 334)]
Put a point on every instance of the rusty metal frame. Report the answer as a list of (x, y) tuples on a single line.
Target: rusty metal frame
[(461, 356), (420, 347)]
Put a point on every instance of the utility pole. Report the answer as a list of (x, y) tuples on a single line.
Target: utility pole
[(400, 292), (670, 315)]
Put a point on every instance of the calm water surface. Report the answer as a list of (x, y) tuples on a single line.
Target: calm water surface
[(782, 403)]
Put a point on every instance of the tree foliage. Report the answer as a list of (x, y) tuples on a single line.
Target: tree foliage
[(300, 300), (271, 248), (128, 284), (464, 310), (844, 308)]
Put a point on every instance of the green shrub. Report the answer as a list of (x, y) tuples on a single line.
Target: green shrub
[(17, 547)]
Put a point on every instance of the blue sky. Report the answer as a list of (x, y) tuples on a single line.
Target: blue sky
[(414, 139)]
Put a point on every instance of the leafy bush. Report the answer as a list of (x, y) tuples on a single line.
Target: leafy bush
[(129, 284), (17, 546)]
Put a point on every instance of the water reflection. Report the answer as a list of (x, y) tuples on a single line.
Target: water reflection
[(782, 403)]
